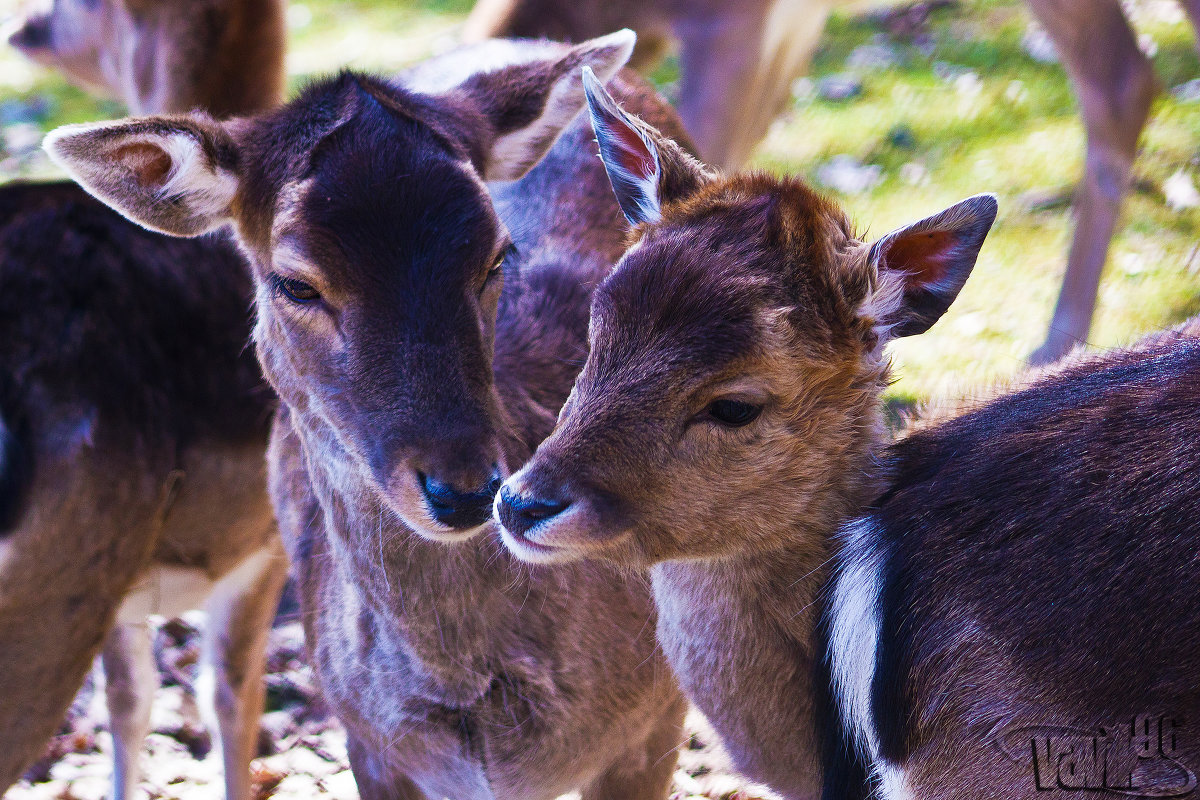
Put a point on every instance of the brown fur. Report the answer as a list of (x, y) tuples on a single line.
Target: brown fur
[(1015, 569), (225, 56), (750, 289), (126, 442), (133, 419), (992, 563), (456, 671)]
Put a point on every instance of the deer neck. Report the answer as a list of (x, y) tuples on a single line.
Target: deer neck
[(743, 633), (433, 611), (742, 638)]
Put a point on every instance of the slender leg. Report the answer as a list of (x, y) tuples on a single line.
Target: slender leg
[(374, 782), (130, 680), (737, 70), (1115, 85), (646, 775), (230, 685)]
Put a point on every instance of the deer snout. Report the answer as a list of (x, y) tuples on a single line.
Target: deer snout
[(455, 506), (520, 513), (33, 35)]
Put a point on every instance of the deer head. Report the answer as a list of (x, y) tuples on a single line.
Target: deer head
[(737, 358), (378, 258), (225, 56)]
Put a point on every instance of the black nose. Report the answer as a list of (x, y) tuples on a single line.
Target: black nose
[(519, 514), (34, 34), (458, 509)]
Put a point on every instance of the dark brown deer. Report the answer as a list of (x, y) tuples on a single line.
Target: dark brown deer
[(165, 56), (1018, 576), (410, 385), (133, 424), (738, 61)]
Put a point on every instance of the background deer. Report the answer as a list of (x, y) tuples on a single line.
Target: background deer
[(165, 56), (726, 430), (133, 425), (738, 62), (410, 385)]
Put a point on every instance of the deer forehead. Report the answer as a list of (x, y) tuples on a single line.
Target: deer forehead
[(356, 217)]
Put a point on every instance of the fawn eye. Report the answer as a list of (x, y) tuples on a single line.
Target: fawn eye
[(295, 290), (734, 413)]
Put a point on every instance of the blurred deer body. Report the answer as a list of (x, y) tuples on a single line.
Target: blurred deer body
[(409, 385), (165, 56), (134, 423), (738, 61)]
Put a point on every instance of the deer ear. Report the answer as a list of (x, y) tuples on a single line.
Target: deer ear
[(175, 175), (645, 168), (530, 99), (922, 267)]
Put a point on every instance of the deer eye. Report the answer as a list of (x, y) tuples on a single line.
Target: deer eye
[(734, 413), (295, 290), (497, 269)]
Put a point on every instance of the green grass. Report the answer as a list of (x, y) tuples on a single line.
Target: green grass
[(1014, 133)]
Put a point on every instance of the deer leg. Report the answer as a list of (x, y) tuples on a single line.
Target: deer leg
[(230, 685), (1115, 85), (374, 781), (645, 775), (130, 680), (737, 71)]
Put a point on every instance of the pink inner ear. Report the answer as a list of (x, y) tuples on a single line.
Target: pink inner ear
[(636, 158), (926, 256), (148, 163)]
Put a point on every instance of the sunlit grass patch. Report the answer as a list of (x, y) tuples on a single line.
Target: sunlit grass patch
[(975, 112)]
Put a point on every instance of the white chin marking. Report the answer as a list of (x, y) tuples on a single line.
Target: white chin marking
[(446, 535), (854, 636), (530, 553)]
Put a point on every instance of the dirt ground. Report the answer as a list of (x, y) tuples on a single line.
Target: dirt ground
[(302, 751)]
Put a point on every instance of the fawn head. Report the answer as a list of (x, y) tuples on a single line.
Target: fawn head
[(730, 401), (377, 255)]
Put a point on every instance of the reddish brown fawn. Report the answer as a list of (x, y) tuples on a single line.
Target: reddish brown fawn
[(165, 56), (410, 385), (997, 590), (133, 422), (738, 62)]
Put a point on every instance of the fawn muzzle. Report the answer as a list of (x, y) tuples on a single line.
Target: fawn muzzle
[(521, 513)]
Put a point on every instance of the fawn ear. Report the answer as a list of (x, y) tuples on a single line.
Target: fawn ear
[(645, 168), (175, 175), (923, 266), (530, 99)]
